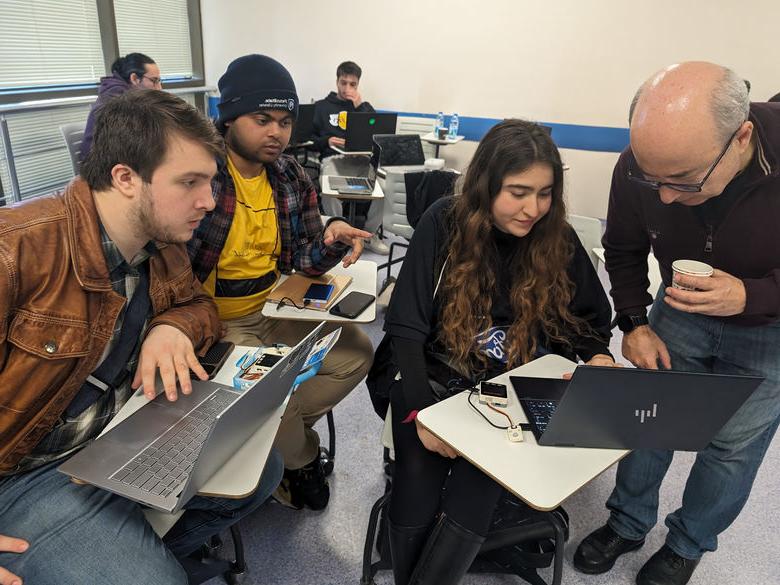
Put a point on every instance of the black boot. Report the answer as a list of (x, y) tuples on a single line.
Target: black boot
[(406, 542), (447, 555)]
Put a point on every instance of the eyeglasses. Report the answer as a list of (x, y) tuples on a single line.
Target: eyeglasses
[(154, 80), (684, 187)]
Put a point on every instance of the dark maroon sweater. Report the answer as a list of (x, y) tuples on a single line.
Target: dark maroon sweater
[(739, 233)]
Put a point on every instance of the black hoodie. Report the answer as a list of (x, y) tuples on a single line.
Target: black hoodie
[(326, 120)]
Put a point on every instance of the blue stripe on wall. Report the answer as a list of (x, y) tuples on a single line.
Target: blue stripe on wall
[(575, 136)]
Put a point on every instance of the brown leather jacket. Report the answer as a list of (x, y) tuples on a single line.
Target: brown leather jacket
[(57, 310)]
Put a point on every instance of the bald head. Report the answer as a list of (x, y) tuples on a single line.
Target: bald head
[(692, 93), (683, 116)]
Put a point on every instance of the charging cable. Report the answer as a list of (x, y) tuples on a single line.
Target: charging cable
[(284, 301), (514, 431)]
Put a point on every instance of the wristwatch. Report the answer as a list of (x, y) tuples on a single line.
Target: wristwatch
[(627, 323)]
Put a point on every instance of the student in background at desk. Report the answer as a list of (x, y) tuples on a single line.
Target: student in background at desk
[(133, 71), (493, 278), (327, 133), (92, 282), (266, 221)]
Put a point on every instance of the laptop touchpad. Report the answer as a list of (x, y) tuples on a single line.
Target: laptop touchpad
[(539, 388)]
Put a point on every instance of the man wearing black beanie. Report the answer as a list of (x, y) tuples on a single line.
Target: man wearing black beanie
[(266, 222)]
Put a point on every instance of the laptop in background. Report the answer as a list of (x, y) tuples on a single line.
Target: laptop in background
[(631, 408), (303, 128), (400, 150), (357, 184), (163, 453), (361, 127)]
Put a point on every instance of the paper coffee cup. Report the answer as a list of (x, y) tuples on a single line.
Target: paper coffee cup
[(690, 268)]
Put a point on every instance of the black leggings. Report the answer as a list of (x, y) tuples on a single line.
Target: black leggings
[(419, 476)]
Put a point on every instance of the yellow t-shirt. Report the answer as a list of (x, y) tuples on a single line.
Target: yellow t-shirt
[(250, 252)]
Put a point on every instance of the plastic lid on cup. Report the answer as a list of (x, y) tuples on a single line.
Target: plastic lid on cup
[(692, 267)]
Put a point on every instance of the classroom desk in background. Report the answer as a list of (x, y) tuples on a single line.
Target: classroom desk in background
[(349, 199)]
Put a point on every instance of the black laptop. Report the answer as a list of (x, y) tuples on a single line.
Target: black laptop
[(400, 150), (631, 408), (361, 127), (303, 129)]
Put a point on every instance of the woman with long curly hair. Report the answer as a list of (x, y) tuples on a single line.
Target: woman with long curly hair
[(493, 278)]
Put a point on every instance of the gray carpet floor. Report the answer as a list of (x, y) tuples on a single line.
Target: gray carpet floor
[(288, 547)]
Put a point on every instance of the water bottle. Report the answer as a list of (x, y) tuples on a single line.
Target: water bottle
[(453, 127), (439, 123)]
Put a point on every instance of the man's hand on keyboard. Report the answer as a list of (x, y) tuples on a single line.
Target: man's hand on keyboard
[(169, 350)]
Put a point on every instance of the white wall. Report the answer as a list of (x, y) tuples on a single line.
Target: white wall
[(564, 61)]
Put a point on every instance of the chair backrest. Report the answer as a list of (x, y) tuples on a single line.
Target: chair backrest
[(73, 134), (394, 215), (589, 231), (419, 126)]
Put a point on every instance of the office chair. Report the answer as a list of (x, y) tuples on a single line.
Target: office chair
[(407, 195), (73, 134), (589, 231), (537, 538)]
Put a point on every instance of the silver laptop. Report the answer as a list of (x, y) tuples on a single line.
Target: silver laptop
[(360, 184), (631, 408), (165, 452)]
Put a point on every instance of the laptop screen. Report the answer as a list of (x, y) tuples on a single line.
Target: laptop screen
[(400, 149)]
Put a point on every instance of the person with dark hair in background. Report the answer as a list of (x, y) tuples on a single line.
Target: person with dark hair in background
[(494, 277), (774, 98), (133, 71), (328, 133), (97, 296), (266, 222), (699, 181)]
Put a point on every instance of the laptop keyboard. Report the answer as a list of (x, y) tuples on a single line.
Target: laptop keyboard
[(164, 466), (540, 412), (355, 182)]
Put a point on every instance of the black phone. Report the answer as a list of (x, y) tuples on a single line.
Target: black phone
[(215, 357), (352, 305)]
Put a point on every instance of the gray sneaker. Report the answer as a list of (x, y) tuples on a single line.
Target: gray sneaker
[(377, 246)]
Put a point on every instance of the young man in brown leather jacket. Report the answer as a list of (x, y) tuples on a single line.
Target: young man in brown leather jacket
[(76, 269)]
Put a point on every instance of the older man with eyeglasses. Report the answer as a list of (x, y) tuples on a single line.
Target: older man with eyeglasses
[(699, 181)]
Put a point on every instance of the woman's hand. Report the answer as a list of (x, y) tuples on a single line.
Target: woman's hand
[(600, 359), (433, 443)]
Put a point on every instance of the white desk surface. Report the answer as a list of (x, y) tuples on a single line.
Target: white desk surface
[(240, 475), (328, 192), (363, 273), (350, 152), (434, 139), (540, 476)]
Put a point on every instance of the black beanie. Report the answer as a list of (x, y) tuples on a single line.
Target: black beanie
[(252, 83)]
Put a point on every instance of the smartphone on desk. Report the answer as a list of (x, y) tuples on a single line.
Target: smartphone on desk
[(352, 305), (215, 357)]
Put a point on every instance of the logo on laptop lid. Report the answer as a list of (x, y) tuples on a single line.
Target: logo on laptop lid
[(642, 414)]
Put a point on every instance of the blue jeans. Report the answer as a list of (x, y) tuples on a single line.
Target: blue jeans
[(82, 535), (722, 475)]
